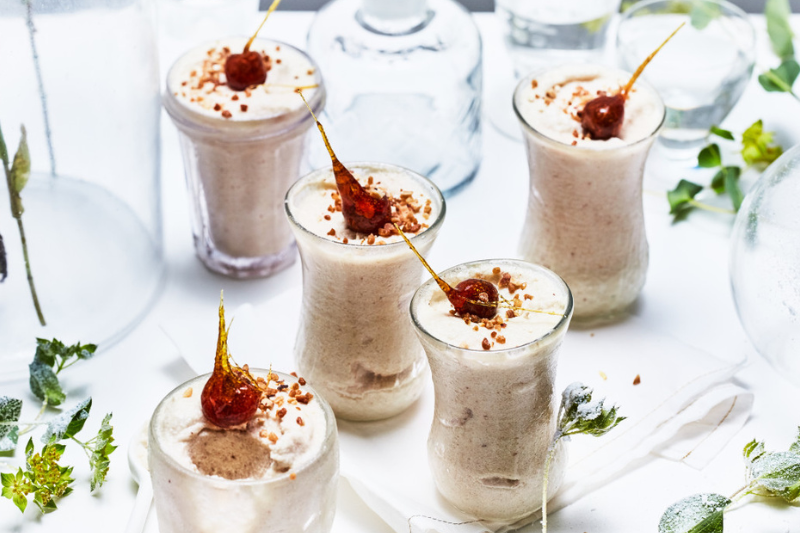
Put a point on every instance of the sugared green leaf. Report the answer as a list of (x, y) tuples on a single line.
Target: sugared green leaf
[(10, 409), (44, 384), (580, 415), (701, 513), (69, 423), (103, 447)]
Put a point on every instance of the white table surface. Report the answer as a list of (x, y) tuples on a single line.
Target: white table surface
[(687, 295)]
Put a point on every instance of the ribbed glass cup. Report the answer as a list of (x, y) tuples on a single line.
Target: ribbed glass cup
[(355, 341), (495, 411), (585, 217), (189, 501)]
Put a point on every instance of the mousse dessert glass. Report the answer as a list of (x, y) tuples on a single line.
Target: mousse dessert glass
[(355, 342), (585, 217), (496, 407), (242, 150), (243, 450)]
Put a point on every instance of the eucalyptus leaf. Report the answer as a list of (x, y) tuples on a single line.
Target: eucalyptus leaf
[(69, 423), (44, 384), (777, 13), (10, 410), (701, 513), (782, 78), (709, 157), (21, 167), (719, 132)]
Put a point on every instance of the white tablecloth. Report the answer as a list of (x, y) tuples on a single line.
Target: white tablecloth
[(687, 296)]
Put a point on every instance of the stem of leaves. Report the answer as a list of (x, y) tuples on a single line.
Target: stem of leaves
[(701, 205), (550, 453)]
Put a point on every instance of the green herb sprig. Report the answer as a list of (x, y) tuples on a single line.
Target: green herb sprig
[(44, 477), (781, 78), (768, 474), (17, 176), (578, 415), (757, 150)]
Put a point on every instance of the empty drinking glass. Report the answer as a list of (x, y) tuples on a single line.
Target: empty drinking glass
[(701, 73)]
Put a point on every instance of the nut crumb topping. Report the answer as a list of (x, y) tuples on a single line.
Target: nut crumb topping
[(188, 392)]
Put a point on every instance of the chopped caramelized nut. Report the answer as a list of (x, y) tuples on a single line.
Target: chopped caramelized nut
[(637, 379), (485, 344), (188, 393)]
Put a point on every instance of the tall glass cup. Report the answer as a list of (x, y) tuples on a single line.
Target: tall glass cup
[(355, 342), (239, 168), (300, 501), (495, 411), (585, 218)]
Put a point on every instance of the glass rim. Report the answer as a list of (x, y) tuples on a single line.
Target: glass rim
[(182, 115), (635, 10), (331, 430), (526, 80), (495, 354), (433, 227)]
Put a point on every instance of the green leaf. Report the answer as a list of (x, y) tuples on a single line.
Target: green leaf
[(780, 79), (733, 187), (702, 13), (757, 145), (10, 409), (3, 149), (680, 197), (719, 132), (709, 157), (21, 167), (753, 450), (46, 351), (99, 461), (69, 423), (776, 474), (44, 384), (701, 513), (777, 13), (580, 415)]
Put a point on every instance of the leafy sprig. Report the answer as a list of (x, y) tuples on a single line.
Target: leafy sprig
[(781, 78), (17, 176), (50, 359), (577, 415), (768, 474), (44, 478), (757, 150)]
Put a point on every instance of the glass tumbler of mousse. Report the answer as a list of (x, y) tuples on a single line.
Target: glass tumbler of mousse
[(585, 217), (276, 473), (494, 379), (355, 342), (242, 149)]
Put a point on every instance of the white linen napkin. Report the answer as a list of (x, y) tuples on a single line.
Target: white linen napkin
[(685, 408)]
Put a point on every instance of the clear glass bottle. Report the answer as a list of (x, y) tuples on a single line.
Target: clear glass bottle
[(404, 83)]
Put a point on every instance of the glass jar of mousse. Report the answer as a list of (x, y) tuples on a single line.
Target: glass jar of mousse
[(242, 150), (496, 407), (300, 500), (585, 218), (356, 343)]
